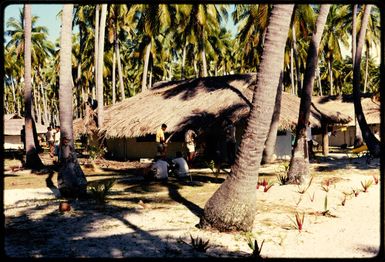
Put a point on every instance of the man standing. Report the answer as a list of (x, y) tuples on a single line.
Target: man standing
[(189, 138), (160, 139)]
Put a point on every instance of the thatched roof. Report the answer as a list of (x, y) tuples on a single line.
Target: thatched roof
[(343, 104), (11, 116), (197, 102), (12, 127)]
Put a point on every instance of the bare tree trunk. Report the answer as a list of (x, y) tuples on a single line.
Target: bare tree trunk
[(299, 162), (204, 63), (331, 77), (150, 79), (100, 88), (71, 180), (15, 100), (370, 140), (145, 68), (96, 57), (366, 69), (196, 69), (32, 158), (183, 61), (299, 82), (120, 72), (325, 138), (113, 78), (292, 71), (358, 140), (272, 136), (319, 80), (45, 111)]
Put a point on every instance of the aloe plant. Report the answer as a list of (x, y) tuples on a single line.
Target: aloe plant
[(303, 188), (199, 244), (375, 179), (366, 184), (253, 245), (298, 222), (282, 179)]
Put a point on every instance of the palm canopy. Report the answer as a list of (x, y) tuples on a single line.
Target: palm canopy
[(41, 46)]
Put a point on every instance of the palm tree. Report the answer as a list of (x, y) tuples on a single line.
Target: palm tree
[(333, 35), (232, 207), (371, 141), (71, 179), (299, 162), (32, 158)]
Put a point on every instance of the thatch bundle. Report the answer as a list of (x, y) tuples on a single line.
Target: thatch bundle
[(199, 102)]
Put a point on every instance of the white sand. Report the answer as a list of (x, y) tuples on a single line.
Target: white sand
[(35, 228)]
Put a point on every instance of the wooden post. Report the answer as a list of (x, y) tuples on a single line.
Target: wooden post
[(325, 138)]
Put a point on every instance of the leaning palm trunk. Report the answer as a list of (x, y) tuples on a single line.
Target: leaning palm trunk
[(299, 162), (268, 152), (370, 140), (233, 205), (71, 180), (32, 158), (113, 78)]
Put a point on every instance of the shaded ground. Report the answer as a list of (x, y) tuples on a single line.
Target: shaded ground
[(153, 219)]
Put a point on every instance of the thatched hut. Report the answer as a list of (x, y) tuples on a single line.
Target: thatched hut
[(13, 124), (202, 103), (345, 134)]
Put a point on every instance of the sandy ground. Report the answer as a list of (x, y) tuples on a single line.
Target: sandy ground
[(35, 227)]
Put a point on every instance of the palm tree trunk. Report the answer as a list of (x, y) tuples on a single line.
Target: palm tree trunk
[(15, 100), (145, 68), (196, 68), (330, 76), (44, 102), (319, 80), (99, 90), (150, 79), (299, 82), (358, 140), (32, 158), (97, 21), (292, 71), (204, 63), (299, 162), (71, 180), (183, 61), (366, 68), (120, 72), (233, 205), (370, 140), (272, 136), (113, 78)]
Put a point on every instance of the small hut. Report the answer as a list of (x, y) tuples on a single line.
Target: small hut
[(202, 103), (13, 124), (344, 134)]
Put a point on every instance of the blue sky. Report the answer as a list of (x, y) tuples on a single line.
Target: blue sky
[(47, 14)]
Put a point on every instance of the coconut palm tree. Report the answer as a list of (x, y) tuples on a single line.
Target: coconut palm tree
[(299, 162), (71, 179), (371, 141), (334, 34), (32, 158), (233, 205)]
